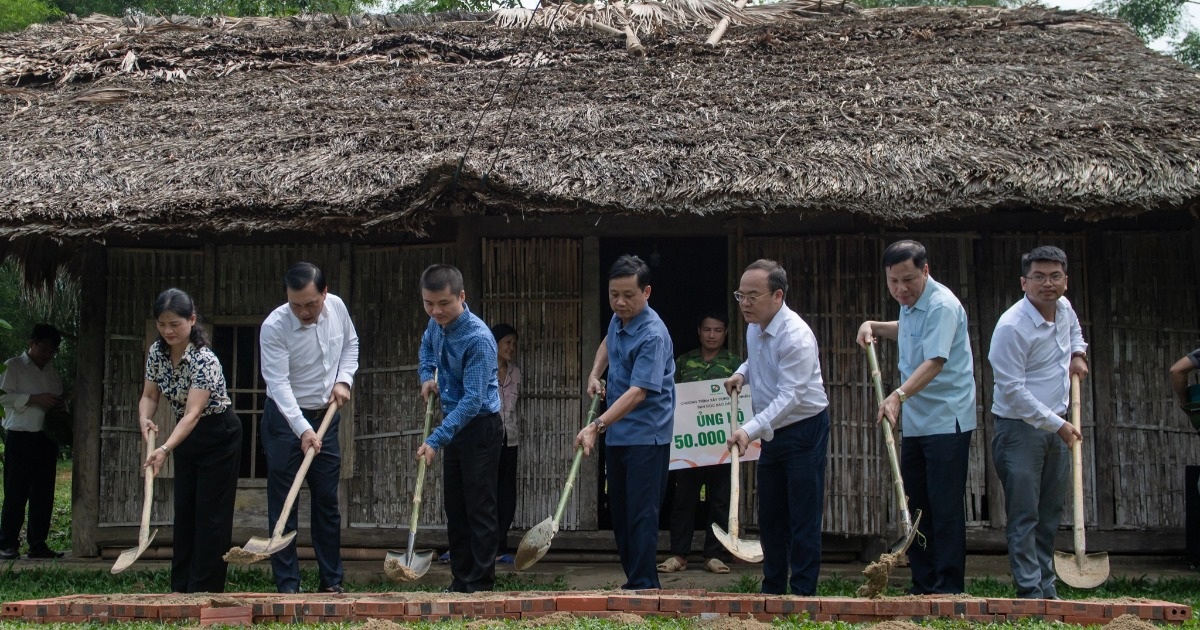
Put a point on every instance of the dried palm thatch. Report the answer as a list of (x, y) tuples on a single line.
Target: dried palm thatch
[(324, 124)]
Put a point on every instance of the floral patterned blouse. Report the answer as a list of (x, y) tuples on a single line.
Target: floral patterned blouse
[(198, 369)]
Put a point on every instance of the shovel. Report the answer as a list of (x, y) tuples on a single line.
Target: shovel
[(410, 565), (129, 556), (1079, 569), (908, 526), (536, 541), (748, 550), (259, 548)]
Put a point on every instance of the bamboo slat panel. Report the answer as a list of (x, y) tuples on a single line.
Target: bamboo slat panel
[(1153, 296), (389, 413), (249, 278), (135, 278), (535, 285), (999, 272)]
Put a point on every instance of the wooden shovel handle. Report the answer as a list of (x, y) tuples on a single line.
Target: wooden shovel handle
[(1077, 469), (416, 508), (889, 442), (302, 471), (148, 496), (735, 470), (562, 501)]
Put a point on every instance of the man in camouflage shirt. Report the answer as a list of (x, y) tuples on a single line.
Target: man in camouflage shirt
[(710, 361)]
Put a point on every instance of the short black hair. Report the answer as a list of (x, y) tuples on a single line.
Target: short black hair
[(45, 332), (302, 274), (500, 331), (717, 315), (1043, 253), (628, 265), (901, 251), (441, 276), (776, 274)]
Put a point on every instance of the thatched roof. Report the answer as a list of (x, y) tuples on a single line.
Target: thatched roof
[(329, 125)]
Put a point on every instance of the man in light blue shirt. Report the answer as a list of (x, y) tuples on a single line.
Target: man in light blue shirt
[(460, 350), (938, 394), (783, 368), (1038, 343), (639, 420)]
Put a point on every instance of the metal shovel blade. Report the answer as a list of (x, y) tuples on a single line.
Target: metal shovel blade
[(129, 556), (1081, 571), (268, 546), (902, 545), (400, 566), (748, 550), (535, 544)]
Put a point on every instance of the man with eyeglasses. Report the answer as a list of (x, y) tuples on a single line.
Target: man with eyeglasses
[(938, 394), (791, 417), (1036, 347), (30, 386), (640, 418)]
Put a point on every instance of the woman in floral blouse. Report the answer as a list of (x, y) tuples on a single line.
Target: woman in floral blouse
[(206, 442)]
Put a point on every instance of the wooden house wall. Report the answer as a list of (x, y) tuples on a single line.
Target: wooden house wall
[(536, 286)]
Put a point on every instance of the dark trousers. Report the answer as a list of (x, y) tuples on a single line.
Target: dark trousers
[(29, 458), (206, 479), (284, 456), (687, 482), (637, 481), (469, 466), (506, 496), (934, 468), (791, 498)]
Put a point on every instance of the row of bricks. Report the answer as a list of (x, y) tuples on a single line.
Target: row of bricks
[(766, 617), (688, 605)]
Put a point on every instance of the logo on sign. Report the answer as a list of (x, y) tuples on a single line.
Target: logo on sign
[(715, 388)]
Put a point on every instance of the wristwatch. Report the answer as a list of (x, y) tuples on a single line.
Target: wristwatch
[(901, 395), (1079, 353), (600, 426)]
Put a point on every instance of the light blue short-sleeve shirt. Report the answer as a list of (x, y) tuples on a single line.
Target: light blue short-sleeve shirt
[(936, 327), (640, 354)]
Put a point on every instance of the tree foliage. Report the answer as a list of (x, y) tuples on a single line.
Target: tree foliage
[(17, 14), (1154, 19)]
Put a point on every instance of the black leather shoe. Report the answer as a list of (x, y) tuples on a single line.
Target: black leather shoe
[(336, 589), (44, 553), (9, 554)]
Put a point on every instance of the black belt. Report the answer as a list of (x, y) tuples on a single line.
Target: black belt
[(314, 415)]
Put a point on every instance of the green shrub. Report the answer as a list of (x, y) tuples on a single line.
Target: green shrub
[(17, 14)]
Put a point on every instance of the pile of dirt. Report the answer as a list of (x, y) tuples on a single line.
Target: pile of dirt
[(399, 571), (627, 619), (554, 619), (877, 574), (1129, 622), (896, 624), (381, 624), (237, 555)]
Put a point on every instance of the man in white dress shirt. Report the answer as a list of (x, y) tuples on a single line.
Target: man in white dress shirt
[(1036, 346), (309, 354), (791, 417), (31, 386)]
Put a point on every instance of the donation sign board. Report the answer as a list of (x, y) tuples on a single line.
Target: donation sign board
[(702, 424)]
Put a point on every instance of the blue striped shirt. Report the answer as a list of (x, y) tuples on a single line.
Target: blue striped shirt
[(464, 353)]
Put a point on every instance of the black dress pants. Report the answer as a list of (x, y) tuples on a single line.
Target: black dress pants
[(29, 459), (470, 463), (206, 479)]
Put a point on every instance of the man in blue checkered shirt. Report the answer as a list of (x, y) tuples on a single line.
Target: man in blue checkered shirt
[(460, 347)]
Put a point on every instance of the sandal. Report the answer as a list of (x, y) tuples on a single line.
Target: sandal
[(713, 565), (673, 564)]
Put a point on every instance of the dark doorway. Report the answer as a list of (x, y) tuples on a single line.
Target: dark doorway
[(688, 277)]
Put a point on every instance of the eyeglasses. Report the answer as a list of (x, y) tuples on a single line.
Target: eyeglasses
[(749, 300), (1041, 278)]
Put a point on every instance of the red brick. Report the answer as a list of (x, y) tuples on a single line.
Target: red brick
[(685, 604), (46, 609), (427, 609), (228, 615), (328, 609), (1069, 608), (1086, 621), (744, 604), (312, 619), (1023, 607), (632, 603), (477, 608), (529, 604), (67, 619), (573, 603), (793, 605), (257, 619), (537, 613), (762, 616), (847, 606), (1175, 612), (1013, 616), (690, 592), (985, 618), (822, 617), (138, 611), (958, 608), (13, 609), (178, 611), (902, 607)]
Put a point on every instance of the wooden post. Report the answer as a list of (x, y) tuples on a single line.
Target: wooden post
[(89, 401), (718, 31), (591, 333)]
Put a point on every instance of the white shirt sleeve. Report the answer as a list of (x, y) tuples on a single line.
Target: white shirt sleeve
[(1008, 359), (348, 362), (274, 356)]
